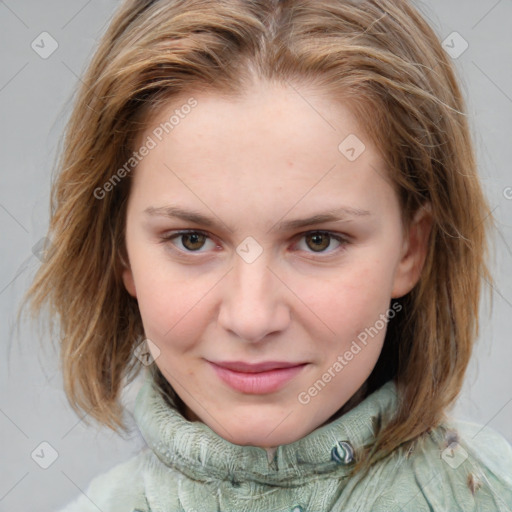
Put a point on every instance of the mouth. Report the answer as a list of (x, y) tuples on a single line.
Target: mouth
[(260, 378)]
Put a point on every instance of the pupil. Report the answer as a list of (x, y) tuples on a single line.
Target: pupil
[(195, 239), (317, 240)]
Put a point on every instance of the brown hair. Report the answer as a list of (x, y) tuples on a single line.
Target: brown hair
[(382, 58)]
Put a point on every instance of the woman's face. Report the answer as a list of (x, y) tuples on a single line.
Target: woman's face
[(261, 274)]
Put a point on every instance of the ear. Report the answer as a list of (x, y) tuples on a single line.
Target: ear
[(414, 252), (127, 275)]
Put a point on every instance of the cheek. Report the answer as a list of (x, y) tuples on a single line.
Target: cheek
[(172, 308), (353, 300), (172, 299)]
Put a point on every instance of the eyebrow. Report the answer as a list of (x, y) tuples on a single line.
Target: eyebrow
[(343, 213)]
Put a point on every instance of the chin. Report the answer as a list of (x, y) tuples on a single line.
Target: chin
[(265, 433), (261, 441)]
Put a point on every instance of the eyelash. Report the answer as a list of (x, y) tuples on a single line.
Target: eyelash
[(343, 240)]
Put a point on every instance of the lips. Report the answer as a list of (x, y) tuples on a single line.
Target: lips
[(240, 366), (260, 378)]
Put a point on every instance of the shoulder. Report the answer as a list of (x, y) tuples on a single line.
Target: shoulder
[(120, 489), (459, 465)]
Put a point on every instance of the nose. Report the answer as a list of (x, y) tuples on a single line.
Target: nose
[(254, 301)]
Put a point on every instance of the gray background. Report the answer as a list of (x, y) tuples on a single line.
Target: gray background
[(35, 96)]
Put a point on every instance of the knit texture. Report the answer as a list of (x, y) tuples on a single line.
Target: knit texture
[(187, 467)]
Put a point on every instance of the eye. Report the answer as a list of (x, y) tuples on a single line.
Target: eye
[(191, 241), (318, 241)]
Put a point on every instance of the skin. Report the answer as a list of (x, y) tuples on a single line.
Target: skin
[(248, 163)]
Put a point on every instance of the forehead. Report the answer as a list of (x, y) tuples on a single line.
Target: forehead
[(283, 110), (273, 143)]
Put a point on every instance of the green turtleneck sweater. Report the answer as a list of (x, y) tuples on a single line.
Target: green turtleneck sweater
[(187, 467)]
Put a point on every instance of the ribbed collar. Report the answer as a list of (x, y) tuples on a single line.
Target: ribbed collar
[(195, 450)]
